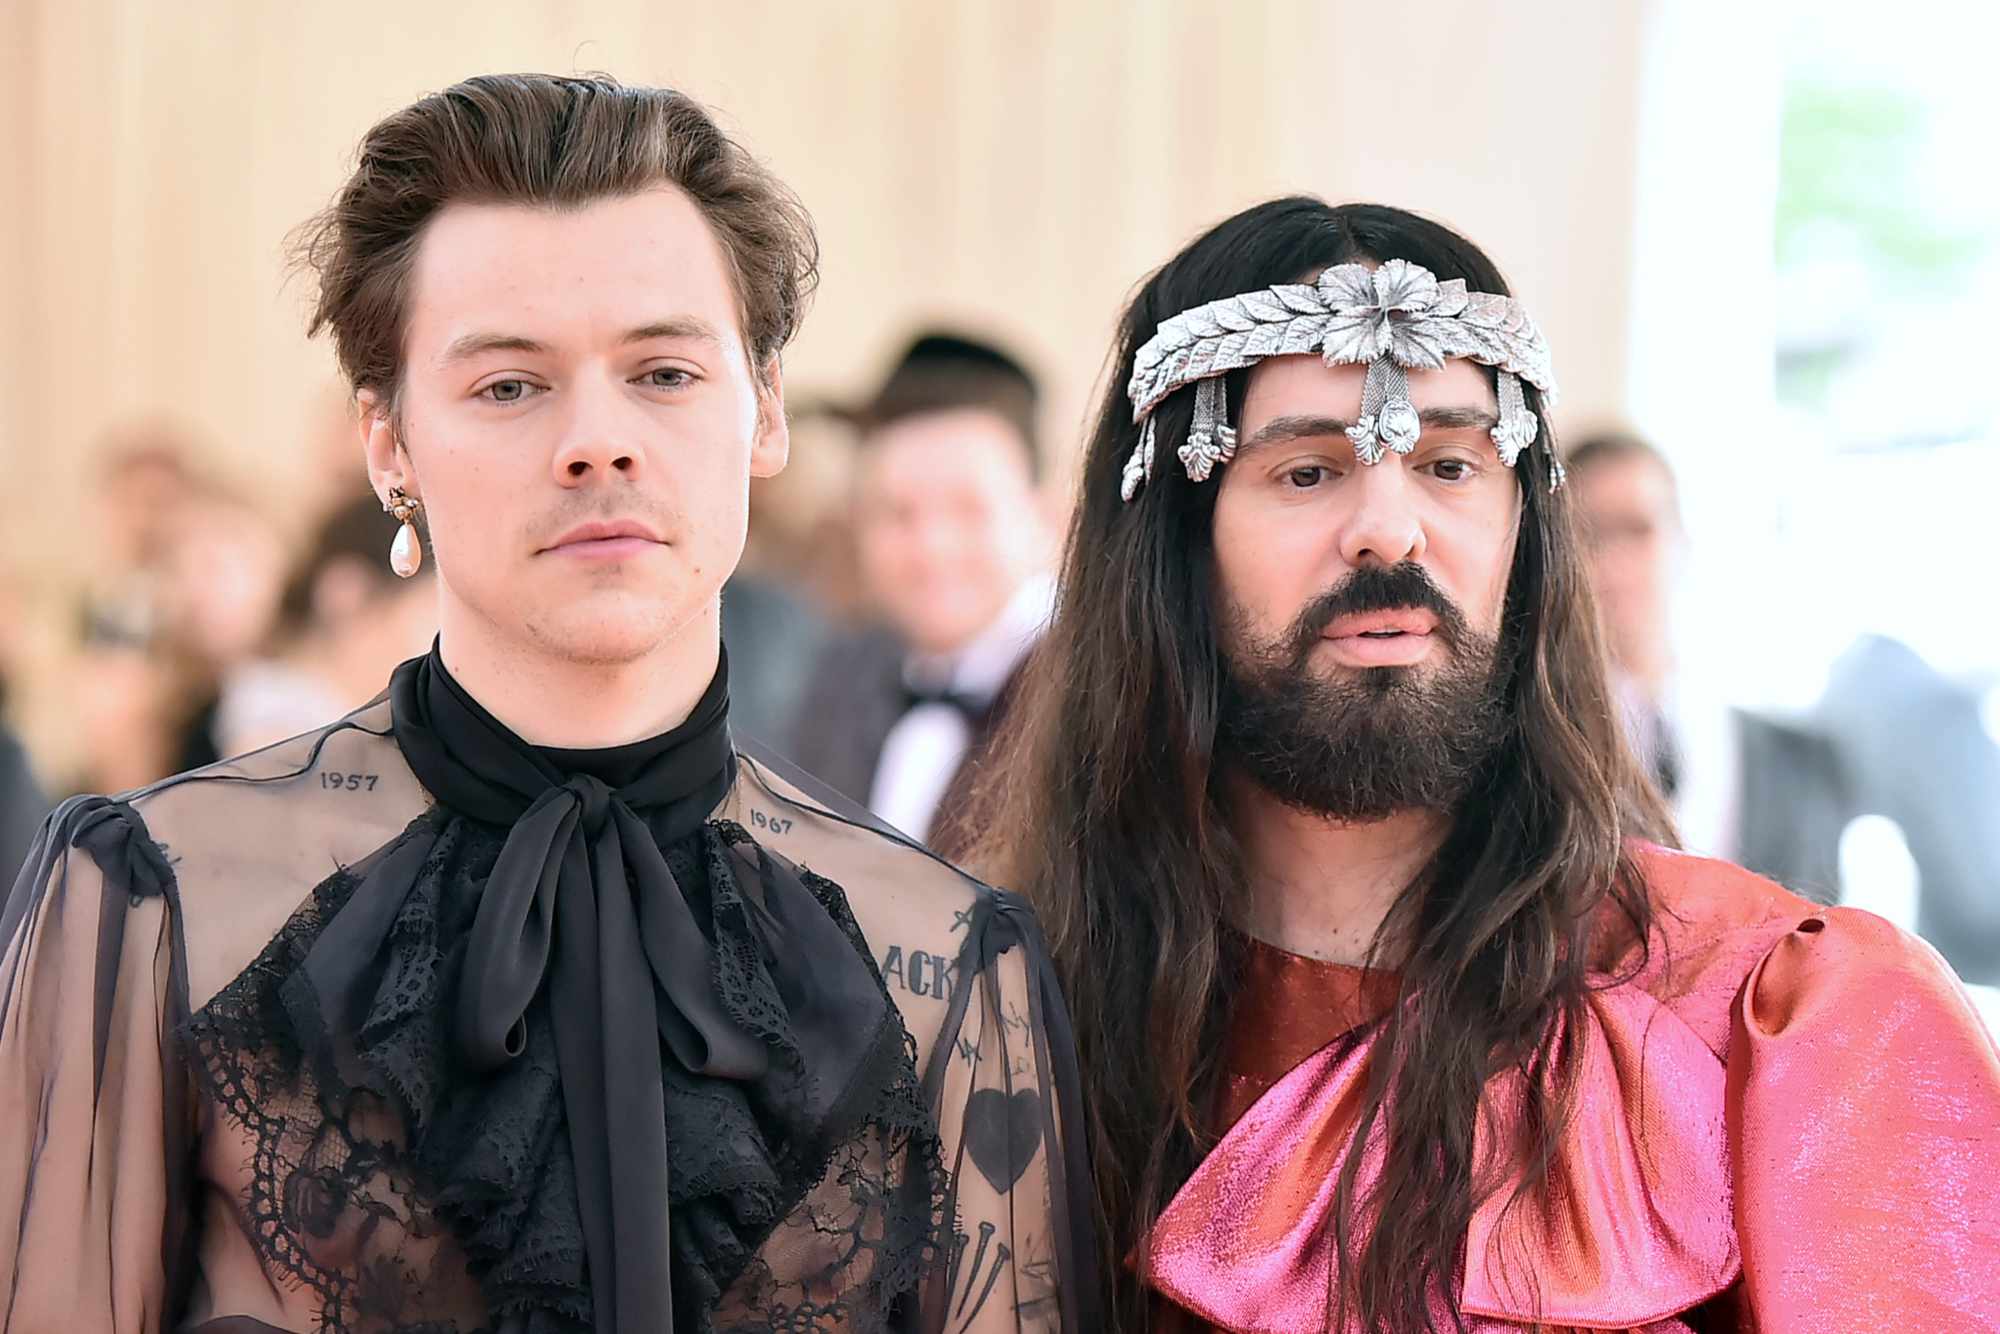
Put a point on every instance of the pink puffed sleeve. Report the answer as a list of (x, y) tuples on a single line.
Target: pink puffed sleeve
[(1864, 1117)]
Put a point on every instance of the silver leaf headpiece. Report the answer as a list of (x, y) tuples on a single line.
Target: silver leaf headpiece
[(1396, 318)]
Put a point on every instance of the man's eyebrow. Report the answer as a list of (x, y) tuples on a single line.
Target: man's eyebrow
[(1283, 430), (1450, 419), (472, 345), (467, 346), (678, 326)]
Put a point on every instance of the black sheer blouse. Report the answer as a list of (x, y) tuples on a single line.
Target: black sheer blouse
[(406, 1027)]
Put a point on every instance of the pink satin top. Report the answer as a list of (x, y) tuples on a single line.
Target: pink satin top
[(1788, 1120)]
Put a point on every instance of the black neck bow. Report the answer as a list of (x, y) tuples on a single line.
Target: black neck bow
[(617, 964), (761, 985)]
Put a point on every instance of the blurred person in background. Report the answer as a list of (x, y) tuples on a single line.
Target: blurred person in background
[(779, 636), (1915, 745), (1398, 1010), (143, 481), (780, 607), (953, 540), (222, 580), (128, 709), (185, 590), (508, 1001), (344, 622), (802, 527), (770, 620), (1629, 516), (126, 717), (1891, 736)]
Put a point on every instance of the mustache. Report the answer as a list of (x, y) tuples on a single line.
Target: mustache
[(1400, 587)]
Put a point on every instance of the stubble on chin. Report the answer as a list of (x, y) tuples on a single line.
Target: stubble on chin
[(615, 635)]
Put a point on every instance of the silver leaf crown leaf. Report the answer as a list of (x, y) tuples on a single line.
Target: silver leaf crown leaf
[(1396, 318)]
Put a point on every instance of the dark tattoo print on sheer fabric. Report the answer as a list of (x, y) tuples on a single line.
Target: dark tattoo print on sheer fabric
[(413, 1198)]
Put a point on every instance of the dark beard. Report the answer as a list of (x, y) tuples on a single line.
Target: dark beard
[(1365, 744)]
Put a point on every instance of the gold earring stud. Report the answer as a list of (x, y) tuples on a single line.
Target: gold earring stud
[(406, 553)]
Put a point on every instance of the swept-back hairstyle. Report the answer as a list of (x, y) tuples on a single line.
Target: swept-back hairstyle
[(1109, 811), (550, 142)]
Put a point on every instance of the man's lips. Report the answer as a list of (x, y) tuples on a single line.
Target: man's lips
[(1402, 621), (623, 537), (1381, 638)]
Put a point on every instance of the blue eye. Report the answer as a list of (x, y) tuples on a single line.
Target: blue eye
[(677, 377)]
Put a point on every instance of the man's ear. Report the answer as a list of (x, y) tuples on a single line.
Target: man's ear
[(772, 447), (388, 462)]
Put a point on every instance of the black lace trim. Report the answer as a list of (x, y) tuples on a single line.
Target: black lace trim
[(415, 1198)]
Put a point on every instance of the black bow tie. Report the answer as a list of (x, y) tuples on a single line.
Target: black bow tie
[(975, 709)]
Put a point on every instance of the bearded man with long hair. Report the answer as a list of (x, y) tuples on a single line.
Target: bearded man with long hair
[(1397, 1008)]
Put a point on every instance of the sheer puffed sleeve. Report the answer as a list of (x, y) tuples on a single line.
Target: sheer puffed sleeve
[(1864, 1112), (95, 1111), (1002, 1082)]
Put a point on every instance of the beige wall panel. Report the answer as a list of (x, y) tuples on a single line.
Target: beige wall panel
[(1015, 167)]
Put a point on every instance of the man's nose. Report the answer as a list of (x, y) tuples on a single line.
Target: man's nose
[(1384, 528), (595, 443)]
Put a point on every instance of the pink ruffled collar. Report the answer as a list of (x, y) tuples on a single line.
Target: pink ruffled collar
[(1636, 1227)]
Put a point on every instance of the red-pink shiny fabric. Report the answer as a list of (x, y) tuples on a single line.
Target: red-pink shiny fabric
[(1789, 1120)]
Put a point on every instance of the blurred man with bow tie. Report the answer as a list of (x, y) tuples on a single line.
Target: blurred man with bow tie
[(954, 540)]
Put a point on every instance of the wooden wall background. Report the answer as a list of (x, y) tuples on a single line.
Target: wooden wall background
[(1012, 166)]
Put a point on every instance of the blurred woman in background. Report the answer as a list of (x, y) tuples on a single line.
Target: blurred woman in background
[(344, 621)]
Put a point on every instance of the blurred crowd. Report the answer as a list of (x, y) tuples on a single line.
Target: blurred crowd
[(897, 577), (200, 630)]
